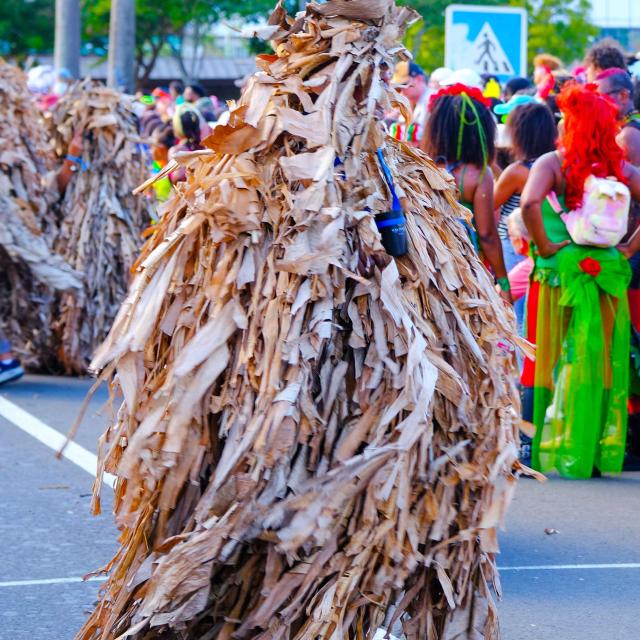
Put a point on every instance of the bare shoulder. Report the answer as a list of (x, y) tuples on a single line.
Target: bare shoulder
[(551, 160), (629, 133), (549, 164), (487, 174), (515, 173), (629, 140), (512, 170)]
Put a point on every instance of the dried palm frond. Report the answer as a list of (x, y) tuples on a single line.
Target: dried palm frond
[(102, 221), (30, 271), (315, 437)]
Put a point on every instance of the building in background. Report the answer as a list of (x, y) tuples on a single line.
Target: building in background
[(218, 60), (619, 19)]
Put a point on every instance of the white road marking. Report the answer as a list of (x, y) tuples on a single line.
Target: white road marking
[(52, 438), (31, 583), (571, 567), (541, 567), (89, 463)]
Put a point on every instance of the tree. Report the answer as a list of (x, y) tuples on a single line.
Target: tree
[(425, 39), (175, 28), (560, 27), (26, 27), (122, 45), (66, 54)]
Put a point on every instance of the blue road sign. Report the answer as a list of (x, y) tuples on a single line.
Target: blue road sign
[(486, 39)]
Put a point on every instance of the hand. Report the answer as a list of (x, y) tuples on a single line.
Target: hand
[(626, 250), (76, 144), (552, 248), (505, 295)]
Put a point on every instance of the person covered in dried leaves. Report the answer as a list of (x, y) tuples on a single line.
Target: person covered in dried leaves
[(582, 318), (461, 137), (11, 368)]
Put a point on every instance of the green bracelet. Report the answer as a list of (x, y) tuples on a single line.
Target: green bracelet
[(503, 283)]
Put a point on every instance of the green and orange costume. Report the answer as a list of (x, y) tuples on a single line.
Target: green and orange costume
[(581, 375)]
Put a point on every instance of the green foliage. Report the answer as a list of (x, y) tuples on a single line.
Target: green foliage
[(26, 26), (425, 39), (161, 28), (560, 27)]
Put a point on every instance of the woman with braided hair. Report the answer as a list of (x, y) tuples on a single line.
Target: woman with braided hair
[(460, 135), (582, 321)]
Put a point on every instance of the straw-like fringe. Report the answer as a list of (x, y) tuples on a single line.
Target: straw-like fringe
[(102, 221), (30, 271), (315, 437)]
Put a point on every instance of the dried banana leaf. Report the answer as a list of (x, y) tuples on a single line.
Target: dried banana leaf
[(315, 438), (102, 221), (30, 271)]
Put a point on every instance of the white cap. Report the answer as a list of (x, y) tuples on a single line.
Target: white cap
[(440, 74), (467, 77)]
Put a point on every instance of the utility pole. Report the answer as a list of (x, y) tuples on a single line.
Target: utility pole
[(66, 54), (122, 46)]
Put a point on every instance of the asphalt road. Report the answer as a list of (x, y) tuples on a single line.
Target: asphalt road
[(48, 533)]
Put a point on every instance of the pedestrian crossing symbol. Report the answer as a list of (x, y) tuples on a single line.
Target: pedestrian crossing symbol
[(489, 40), (490, 56)]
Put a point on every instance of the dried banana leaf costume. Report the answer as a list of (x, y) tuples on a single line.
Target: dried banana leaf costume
[(30, 271), (313, 435), (102, 221)]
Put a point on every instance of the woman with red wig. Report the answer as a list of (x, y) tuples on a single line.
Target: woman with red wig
[(581, 326)]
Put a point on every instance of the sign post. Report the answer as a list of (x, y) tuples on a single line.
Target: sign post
[(489, 40)]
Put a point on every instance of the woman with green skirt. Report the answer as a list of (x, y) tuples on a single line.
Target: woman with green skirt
[(582, 319)]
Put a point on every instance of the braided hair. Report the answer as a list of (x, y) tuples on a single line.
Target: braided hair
[(460, 127)]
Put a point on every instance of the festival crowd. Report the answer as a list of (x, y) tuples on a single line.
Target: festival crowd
[(549, 171)]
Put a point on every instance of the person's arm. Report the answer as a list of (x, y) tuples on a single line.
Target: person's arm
[(539, 184), (487, 230), (632, 174), (629, 140), (509, 182)]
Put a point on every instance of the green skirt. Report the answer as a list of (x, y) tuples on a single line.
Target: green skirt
[(582, 356)]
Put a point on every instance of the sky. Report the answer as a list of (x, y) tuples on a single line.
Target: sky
[(616, 13)]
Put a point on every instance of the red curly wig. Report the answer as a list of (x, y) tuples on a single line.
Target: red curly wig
[(588, 139)]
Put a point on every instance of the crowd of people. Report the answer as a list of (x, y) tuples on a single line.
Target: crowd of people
[(176, 119), (549, 169), (171, 119), (537, 163)]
